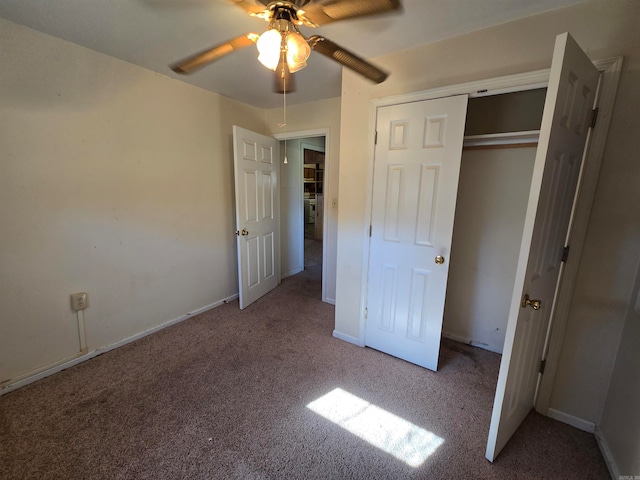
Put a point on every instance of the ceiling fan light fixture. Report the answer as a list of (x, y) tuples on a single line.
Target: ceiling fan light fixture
[(283, 39), (269, 47), (298, 51), (283, 49)]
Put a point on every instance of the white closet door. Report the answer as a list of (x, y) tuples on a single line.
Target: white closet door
[(417, 164), (565, 126)]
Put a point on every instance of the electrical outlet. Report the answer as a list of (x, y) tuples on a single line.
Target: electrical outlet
[(79, 301)]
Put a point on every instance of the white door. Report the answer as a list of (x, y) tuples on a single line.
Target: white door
[(417, 164), (255, 160), (565, 126)]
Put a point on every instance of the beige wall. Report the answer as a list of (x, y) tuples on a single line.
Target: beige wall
[(620, 426), (604, 28), (609, 259), (323, 114), (116, 181)]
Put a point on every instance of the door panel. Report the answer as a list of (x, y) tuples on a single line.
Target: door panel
[(417, 163), (565, 125), (257, 207)]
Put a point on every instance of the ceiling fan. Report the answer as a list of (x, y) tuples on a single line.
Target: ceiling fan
[(283, 49)]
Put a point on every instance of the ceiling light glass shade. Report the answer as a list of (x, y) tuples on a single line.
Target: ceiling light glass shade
[(269, 47), (298, 51)]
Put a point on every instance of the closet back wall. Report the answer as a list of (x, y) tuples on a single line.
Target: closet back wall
[(492, 201), (491, 205)]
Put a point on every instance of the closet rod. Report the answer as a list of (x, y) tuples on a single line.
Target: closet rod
[(503, 140)]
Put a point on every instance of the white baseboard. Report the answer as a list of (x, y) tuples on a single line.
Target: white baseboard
[(347, 338), (473, 343), (606, 453), (579, 423), (292, 272), (68, 362), (331, 301)]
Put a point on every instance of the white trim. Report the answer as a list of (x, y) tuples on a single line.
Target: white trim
[(368, 212), (507, 138), (348, 338), (68, 362), (318, 132), (292, 272), (473, 343), (483, 88), (611, 70), (579, 423), (614, 471), (479, 88)]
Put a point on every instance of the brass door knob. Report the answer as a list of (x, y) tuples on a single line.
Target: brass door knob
[(535, 304), (244, 232), (439, 259)]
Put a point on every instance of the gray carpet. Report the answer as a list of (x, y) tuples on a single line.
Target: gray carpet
[(312, 252), (223, 396)]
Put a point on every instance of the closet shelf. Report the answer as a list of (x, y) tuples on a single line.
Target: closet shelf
[(508, 138)]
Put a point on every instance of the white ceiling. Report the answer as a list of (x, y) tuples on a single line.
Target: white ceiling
[(154, 33)]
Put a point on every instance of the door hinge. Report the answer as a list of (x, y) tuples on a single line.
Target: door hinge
[(565, 254), (375, 142), (370, 229), (366, 312), (543, 364), (594, 117)]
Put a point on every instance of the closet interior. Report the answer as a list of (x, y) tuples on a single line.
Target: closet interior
[(501, 135)]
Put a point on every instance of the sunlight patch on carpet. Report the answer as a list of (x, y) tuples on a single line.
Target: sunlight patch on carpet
[(386, 431)]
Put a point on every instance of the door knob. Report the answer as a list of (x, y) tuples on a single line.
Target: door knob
[(439, 259), (244, 232), (535, 304)]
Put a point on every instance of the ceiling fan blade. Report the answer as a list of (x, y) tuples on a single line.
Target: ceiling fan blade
[(250, 6), (346, 58), (205, 57), (321, 13)]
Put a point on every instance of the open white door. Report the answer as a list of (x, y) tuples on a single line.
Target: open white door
[(255, 160), (565, 126), (415, 185)]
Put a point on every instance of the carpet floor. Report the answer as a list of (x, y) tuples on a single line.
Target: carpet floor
[(225, 395)]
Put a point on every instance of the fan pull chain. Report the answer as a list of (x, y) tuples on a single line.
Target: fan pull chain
[(284, 115), (284, 105)]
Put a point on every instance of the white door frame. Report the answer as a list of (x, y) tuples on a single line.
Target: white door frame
[(319, 132), (610, 70)]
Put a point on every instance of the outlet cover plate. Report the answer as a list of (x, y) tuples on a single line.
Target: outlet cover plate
[(79, 301)]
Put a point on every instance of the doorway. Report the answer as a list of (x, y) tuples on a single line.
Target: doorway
[(303, 220), (313, 156)]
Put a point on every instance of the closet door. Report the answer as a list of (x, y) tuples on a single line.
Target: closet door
[(417, 163), (565, 126)]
